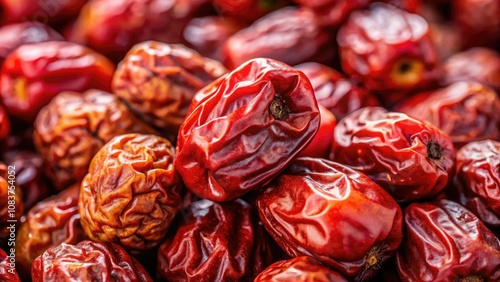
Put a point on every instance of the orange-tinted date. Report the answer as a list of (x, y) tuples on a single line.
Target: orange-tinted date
[(131, 193)]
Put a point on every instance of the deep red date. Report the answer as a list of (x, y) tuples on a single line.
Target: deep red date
[(325, 210), (446, 242), (243, 129), (412, 159)]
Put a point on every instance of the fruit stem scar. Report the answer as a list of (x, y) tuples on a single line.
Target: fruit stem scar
[(278, 108), (434, 151), (471, 278)]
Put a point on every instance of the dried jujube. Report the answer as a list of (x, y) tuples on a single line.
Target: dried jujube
[(446, 242), (88, 261), (159, 80), (49, 223), (323, 209), (74, 126), (131, 193), (215, 242), (243, 129), (410, 158)]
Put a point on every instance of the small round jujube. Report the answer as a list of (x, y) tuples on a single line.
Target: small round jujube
[(131, 193), (88, 261)]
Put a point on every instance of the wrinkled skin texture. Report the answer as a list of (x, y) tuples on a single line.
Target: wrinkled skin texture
[(476, 64), (322, 141), (290, 35), (49, 223), (322, 209), (159, 80), (29, 175), (33, 74), (74, 126), (9, 191), (42, 11), (249, 10), (446, 242), (387, 49), (8, 272), (336, 92), (14, 35), (478, 173), (299, 269), (215, 242), (87, 261), (207, 35), (113, 27), (465, 111), (4, 124), (131, 193), (479, 21), (243, 129), (410, 158)]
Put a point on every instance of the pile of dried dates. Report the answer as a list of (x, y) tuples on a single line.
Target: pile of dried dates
[(250, 140)]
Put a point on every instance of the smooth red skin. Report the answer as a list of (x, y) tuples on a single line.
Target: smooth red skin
[(391, 148), (373, 40), (229, 143), (87, 261), (29, 175), (478, 172), (322, 141), (339, 94), (16, 34), (465, 111), (5, 268), (479, 22), (323, 209), (291, 35), (207, 35), (476, 64), (49, 68), (299, 269), (4, 124), (249, 10), (215, 242), (113, 27), (445, 242), (36, 10)]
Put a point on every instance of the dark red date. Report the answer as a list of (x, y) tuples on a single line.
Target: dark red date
[(479, 22), (4, 124), (410, 158), (478, 175), (243, 129), (446, 242), (325, 210), (8, 271), (290, 35), (334, 91), (87, 261), (215, 242), (465, 111)]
